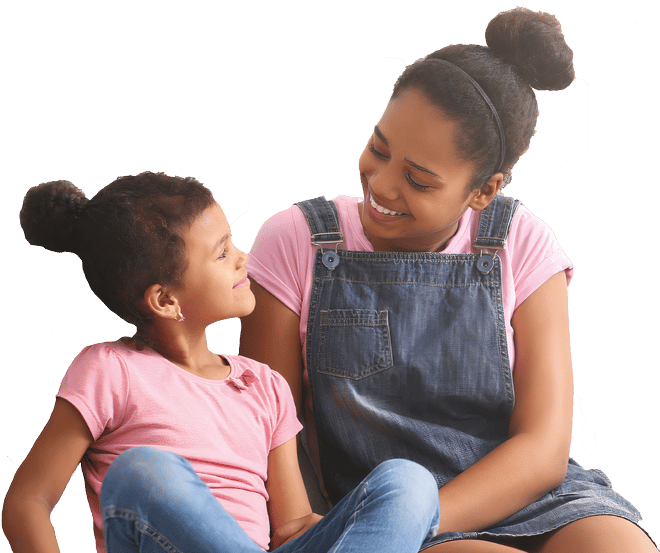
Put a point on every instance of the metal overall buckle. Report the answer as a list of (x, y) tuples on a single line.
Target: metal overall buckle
[(486, 261), (330, 258)]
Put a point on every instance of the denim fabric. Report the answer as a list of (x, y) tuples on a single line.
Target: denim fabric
[(153, 501), (407, 358)]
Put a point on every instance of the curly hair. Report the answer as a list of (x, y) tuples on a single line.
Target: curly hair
[(128, 236), (525, 50)]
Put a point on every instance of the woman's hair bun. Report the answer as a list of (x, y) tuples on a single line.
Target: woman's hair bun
[(49, 214), (534, 44)]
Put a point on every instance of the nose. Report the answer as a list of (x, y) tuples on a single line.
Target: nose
[(384, 185), (241, 259)]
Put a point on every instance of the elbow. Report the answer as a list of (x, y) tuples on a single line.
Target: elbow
[(547, 465), (8, 510), (10, 518), (20, 513), (557, 471), (553, 467)]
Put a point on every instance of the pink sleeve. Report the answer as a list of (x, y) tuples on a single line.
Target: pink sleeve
[(281, 248), (536, 255), (287, 424), (96, 384)]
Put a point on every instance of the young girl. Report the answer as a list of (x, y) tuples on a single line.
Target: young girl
[(183, 449), (428, 318)]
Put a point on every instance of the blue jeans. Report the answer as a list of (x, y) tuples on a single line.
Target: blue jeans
[(168, 508)]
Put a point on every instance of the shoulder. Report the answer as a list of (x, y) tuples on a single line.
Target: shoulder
[(291, 222), (530, 235), (97, 367), (104, 354), (534, 253), (285, 224), (97, 385), (112, 363), (282, 238), (525, 221)]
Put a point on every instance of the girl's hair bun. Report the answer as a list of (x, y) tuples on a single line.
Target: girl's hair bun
[(49, 215), (534, 44)]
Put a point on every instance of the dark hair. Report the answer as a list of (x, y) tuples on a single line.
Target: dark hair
[(128, 236), (525, 50)]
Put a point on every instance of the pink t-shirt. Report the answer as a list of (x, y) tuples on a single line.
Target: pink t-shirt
[(225, 428), (282, 257)]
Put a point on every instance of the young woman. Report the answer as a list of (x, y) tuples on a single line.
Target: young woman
[(428, 318), (182, 449)]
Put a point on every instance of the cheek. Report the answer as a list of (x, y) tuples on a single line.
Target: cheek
[(365, 163), (433, 212)]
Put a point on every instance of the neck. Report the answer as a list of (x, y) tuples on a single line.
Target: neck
[(432, 244), (188, 349)]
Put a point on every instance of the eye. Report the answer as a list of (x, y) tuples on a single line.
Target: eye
[(415, 184), (372, 149), (223, 254)]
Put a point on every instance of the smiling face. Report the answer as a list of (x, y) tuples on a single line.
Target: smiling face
[(415, 185), (215, 284)]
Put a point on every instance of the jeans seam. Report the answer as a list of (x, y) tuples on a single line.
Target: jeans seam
[(141, 526), (352, 519)]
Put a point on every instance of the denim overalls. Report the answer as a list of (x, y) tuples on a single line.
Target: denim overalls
[(407, 357)]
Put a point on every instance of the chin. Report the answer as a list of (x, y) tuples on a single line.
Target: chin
[(249, 308)]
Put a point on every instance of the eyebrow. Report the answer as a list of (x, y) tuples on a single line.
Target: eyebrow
[(421, 168), (415, 165), (221, 241), (380, 135)]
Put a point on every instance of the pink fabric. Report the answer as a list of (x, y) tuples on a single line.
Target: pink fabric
[(282, 257), (225, 428)]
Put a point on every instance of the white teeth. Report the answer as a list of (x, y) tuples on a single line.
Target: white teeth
[(382, 209)]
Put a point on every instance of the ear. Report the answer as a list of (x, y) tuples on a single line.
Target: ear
[(160, 302), (484, 195)]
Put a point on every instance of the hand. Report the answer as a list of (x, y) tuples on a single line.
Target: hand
[(292, 529)]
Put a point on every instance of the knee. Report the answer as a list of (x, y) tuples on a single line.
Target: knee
[(410, 479), (408, 473), (141, 469), (138, 456), (137, 462), (411, 487)]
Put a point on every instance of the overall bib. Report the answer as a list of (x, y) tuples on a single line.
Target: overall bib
[(407, 358)]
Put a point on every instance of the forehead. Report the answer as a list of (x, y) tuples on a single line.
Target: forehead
[(208, 227), (212, 215), (413, 123)]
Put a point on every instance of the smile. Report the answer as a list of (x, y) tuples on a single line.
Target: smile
[(382, 209), (242, 283)]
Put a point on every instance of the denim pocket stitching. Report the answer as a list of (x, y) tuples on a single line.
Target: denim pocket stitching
[(351, 318)]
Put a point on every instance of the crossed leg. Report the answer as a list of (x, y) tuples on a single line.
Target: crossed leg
[(471, 546), (598, 534)]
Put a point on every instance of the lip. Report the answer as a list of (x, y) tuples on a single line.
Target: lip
[(245, 281), (377, 215)]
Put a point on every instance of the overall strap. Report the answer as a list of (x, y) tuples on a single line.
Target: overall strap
[(495, 223), (323, 221), (494, 226)]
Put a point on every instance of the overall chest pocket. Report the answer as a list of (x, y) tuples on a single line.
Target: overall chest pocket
[(354, 343)]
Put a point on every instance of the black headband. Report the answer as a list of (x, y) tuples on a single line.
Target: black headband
[(480, 90)]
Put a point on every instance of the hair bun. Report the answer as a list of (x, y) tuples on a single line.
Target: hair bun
[(534, 44), (49, 214)]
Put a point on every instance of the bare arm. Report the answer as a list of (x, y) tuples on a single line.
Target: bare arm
[(534, 458), (288, 507), (271, 335), (41, 479)]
